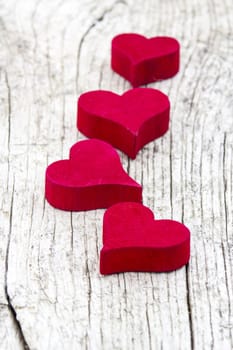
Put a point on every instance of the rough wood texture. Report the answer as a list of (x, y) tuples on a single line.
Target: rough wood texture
[(51, 293)]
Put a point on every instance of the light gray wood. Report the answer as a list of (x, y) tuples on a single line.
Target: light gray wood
[(51, 293)]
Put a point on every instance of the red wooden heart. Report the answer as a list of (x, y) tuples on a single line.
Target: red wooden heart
[(92, 178), (142, 61), (127, 122), (134, 241)]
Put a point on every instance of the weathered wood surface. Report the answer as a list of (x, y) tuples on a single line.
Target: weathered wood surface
[(51, 293)]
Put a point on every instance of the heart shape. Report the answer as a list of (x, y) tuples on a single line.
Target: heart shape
[(127, 122), (142, 61), (92, 178), (134, 241)]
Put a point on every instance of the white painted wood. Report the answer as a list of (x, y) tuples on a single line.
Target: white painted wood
[(51, 293)]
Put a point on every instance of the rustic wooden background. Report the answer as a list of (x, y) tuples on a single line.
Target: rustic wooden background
[(51, 293)]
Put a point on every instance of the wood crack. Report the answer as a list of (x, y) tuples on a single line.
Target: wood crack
[(189, 309), (7, 295), (148, 329), (225, 186), (9, 122), (93, 25), (89, 285)]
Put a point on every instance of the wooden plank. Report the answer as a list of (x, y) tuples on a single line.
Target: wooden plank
[(52, 295), (10, 329)]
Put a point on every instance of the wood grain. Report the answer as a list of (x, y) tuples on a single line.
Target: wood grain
[(51, 293)]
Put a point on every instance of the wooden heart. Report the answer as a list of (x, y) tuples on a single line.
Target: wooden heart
[(134, 241), (142, 61), (127, 122), (92, 178)]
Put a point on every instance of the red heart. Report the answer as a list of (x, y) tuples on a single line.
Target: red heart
[(134, 241), (142, 61), (127, 122), (92, 178)]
